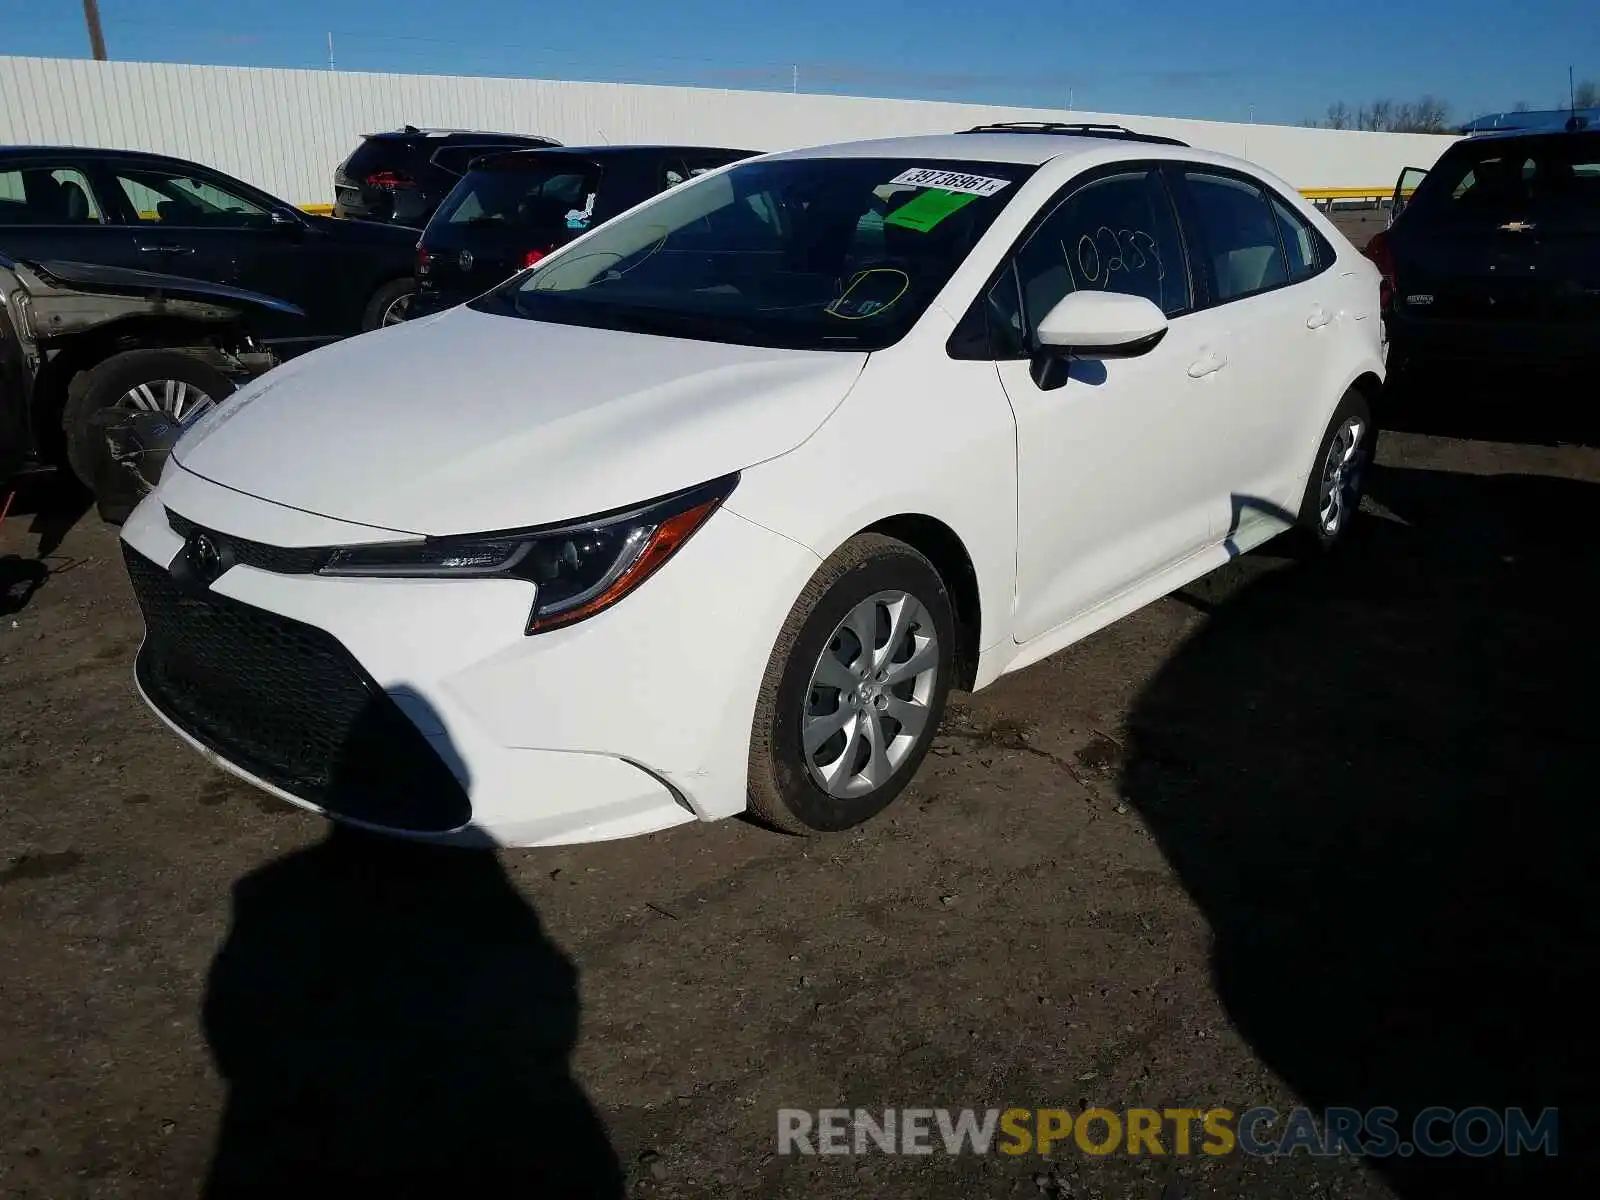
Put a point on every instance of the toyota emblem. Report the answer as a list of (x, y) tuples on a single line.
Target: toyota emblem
[(205, 558), (465, 260)]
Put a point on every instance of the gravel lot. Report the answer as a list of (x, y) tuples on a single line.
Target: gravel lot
[(1307, 833)]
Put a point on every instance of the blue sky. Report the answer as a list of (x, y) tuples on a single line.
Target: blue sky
[(1221, 59)]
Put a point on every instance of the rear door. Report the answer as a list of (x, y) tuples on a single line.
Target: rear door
[(1270, 318), (50, 209)]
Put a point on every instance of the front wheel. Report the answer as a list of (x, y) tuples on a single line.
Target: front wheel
[(171, 382), (854, 690)]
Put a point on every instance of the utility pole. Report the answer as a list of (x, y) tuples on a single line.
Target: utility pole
[(330, 49), (97, 40), (794, 82)]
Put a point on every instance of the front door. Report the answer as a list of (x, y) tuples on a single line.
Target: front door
[(199, 225), (1113, 469)]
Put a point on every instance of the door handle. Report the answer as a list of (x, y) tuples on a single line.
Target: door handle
[(1320, 317), (166, 249), (1207, 364)]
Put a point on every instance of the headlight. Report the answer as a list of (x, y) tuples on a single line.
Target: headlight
[(577, 568)]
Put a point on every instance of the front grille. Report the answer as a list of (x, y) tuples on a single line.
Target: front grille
[(287, 702), (280, 560)]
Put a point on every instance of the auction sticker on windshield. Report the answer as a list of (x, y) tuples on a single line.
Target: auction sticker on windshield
[(951, 181)]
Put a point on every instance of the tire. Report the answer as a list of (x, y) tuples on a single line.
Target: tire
[(383, 300), (868, 573), (106, 385), (1347, 469)]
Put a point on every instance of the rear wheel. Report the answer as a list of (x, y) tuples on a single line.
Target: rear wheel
[(854, 690), (389, 305), (1339, 479), (166, 381)]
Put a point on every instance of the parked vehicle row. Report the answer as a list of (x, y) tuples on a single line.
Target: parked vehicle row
[(710, 509), (147, 213)]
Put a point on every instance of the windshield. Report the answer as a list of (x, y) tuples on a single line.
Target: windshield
[(809, 253), (556, 194)]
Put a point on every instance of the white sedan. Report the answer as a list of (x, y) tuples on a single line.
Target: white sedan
[(710, 510)]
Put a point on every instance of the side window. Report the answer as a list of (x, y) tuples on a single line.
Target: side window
[(47, 196), (1299, 242), (1241, 235), (1116, 234), (187, 201)]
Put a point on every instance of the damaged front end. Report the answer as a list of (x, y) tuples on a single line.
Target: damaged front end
[(77, 339)]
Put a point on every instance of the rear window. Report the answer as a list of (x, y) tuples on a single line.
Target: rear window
[(1502, 180), (546, 196), (382, 154)]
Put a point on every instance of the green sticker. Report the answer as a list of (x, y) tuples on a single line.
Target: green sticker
[(926, 209)]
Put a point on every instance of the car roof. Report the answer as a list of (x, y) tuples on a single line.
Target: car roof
[(1537, 132), (536, 153), (1023, 147), (412, 131)]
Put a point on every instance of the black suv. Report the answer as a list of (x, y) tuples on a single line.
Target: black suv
[(1496, 255), (125, 208), (399, 177), (512, 209)]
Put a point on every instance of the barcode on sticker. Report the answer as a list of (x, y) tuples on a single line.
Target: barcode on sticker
[(950, 181)]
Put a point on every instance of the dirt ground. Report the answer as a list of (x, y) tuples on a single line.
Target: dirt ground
[(1306, 833)]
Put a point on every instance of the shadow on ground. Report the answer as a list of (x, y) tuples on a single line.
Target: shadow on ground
[(1375, 775), (1530, 406), (391, 1020), (50, 506)]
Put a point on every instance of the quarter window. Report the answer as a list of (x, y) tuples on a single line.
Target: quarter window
[(1299, 243), (1115, 234), (1241, 235)]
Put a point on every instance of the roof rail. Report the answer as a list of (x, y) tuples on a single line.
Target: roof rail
[(1080, 129)]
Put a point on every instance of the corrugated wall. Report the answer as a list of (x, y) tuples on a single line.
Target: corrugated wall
[(285, 131)]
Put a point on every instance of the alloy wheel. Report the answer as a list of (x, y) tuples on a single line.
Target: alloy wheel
[(867, 703)]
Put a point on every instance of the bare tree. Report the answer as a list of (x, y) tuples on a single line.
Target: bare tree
[(1522, 106), (1427, 115), (1585, 95)]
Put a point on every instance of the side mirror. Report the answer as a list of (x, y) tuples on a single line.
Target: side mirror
[(1100, 325), (285, 222)]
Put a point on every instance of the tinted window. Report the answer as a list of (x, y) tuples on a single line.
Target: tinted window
[(185, 200), (554, 195), (812, 253), (1241, 235), (384, 154), (47, 196), (1299, 242), (1116, 234), (1497, 181), (456, 159)]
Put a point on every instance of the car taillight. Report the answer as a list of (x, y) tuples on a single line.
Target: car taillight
[(1382, 255), (424, 259), (532, 257), (390, 180)]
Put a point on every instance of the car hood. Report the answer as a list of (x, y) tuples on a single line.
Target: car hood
[(465, 422)]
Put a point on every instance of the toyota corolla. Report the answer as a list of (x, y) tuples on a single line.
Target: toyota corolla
[(711, 509)]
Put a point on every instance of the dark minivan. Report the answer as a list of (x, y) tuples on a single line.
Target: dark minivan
[(1496, 256), (512, 209), (400, 176)]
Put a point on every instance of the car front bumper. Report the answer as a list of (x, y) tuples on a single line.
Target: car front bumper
[(420, 708)]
